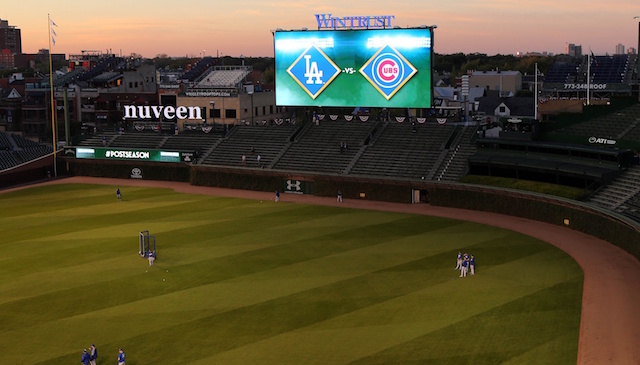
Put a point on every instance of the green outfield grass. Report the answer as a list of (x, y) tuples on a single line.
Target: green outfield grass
[(248, 282)]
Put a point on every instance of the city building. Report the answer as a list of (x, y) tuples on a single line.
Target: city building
[(573, 50), (620, 48), (10, 44), (508, 83)]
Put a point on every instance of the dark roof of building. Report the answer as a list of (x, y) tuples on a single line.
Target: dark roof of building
[(518, 105)]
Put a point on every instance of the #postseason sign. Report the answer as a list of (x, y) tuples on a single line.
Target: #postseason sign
[(352, 68)]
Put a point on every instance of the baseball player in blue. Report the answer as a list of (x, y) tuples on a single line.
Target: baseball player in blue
[(85, 358), (459, 261), (472, 265), (118, 195), (463, 269), (121, 357)]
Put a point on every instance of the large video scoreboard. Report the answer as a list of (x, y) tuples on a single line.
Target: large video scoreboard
[(352, 68)]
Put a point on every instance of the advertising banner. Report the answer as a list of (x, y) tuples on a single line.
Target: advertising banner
[(127, 154)]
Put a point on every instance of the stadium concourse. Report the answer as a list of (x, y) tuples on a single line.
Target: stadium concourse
[(610, 325)]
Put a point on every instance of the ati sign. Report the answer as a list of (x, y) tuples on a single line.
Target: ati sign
[(168, 112), (597, 140)]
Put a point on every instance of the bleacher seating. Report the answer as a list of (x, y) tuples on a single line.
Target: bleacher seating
[(5, 144), (32, 153), (318, 148), (15, 149), (69, 77), (23, 142), (609, 69), (7, 160), (562, 72), (149, 140), (618, 125), (267, 141), (224, 77), (106, 64), (191, 142), (622, 195), (199, 68), (401, 152), (456, 162)]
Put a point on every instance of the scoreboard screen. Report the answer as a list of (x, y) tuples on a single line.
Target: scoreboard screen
[(354, 68)]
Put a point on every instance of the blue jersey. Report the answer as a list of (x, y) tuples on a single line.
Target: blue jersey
[(121, 357), (472, 262), (464, 263)]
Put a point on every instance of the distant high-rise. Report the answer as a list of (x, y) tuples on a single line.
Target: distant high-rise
[(10, 38), (573, 50), (619, 48), (631, 50)]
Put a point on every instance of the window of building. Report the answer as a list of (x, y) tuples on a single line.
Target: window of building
[(230, 113)]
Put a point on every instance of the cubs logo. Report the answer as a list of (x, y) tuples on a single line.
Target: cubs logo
[(387, 70)]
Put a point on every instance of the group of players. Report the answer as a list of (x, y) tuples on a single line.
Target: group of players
[(89, 357), (465, 263)]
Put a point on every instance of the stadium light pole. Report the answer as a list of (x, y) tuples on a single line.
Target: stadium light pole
[(638, 52)]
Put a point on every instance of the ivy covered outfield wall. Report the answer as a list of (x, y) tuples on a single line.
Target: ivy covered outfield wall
[(602, 224), (579, 216), (130, 169), (320, 185)]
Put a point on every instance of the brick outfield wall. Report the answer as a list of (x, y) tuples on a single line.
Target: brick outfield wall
[(583, 218)]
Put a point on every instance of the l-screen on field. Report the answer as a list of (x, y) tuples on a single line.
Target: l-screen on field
[(241, 281)]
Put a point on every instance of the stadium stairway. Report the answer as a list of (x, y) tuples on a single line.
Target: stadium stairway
[(456, 161), (615, 195)]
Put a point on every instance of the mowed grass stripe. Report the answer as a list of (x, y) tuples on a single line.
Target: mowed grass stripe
[(389, 323), (265, 320), (206, 271), (256, 288), (261, 275), (542, 318)]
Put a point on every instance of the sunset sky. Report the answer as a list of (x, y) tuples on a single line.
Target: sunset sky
[(243, 27)]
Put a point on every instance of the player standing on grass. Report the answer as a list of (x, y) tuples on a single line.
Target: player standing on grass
[(464, 267), (93, 355), (459, 261), (121, 357), (118, 195), (472, 265), (85, 357)]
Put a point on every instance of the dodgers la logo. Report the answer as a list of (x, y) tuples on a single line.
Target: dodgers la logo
[(387, 70), (313, 71)]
